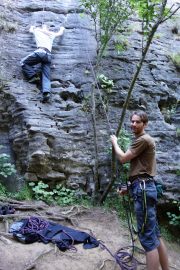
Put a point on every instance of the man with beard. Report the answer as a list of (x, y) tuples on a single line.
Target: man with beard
[(141, 156)]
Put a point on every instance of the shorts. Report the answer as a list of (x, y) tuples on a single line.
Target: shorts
[(147, 225)]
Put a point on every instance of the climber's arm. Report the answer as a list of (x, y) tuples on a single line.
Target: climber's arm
[(60, 32), (31, 29)]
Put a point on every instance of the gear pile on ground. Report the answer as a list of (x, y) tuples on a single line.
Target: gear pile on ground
[(102, 224)]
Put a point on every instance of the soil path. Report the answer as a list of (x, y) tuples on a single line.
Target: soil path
[(103, 224)]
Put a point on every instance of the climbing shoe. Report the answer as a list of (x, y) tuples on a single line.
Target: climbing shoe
[(46, 96), (34, 79)]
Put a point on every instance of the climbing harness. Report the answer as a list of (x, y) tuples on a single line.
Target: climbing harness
[(143, 188), (128, 208)]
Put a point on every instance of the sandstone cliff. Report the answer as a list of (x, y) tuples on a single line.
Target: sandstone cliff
[(54, 141)]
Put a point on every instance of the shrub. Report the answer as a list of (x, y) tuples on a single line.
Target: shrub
[(2, 190), (174, 218), (60, 194), (6, 168), (25, 193)]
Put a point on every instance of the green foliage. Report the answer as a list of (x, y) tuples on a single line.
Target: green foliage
[(158, 35), (109, 16), (25, 193), (106, 85), (121, 44), (60, 194), (3, 190), (41, 191), (86, 104), (105, 82), (175, 57), (124, 139), (64, 196), (177, 132), (168, 112), (6, 168), (115, 203), (147, 11), (174, 219)]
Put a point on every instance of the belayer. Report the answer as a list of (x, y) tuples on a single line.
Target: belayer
[(36, 65), (141, 155)]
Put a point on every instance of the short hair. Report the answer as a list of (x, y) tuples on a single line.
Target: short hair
[(143, 116)]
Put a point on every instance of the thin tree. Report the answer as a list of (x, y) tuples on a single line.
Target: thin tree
[(158, 15), (109, 16)]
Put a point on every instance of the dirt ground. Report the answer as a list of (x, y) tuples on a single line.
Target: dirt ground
[(103, 224)]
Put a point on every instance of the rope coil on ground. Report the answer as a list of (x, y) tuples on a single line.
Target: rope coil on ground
[(123, 258), (34, 224)]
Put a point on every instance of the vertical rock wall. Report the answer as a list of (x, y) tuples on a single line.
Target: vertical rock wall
[(54, 141)]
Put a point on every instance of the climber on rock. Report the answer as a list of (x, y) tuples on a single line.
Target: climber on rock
[(36, 66)]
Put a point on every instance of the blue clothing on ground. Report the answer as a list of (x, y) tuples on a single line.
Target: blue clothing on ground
[(36, 229)]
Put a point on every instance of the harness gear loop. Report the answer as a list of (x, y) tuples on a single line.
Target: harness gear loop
[(143, 188)]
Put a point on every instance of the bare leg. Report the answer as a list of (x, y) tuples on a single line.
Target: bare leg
[(152, 260), (163, 257)]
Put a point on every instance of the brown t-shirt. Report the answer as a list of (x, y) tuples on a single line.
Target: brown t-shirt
[(144, 161)]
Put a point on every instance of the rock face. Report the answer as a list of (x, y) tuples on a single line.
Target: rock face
[(54, 141)]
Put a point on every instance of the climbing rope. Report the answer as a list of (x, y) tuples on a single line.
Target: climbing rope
[(127, 206), (94, 76), (100, 95), (37, 225), (34, 224), (123, 258), (43, 14)]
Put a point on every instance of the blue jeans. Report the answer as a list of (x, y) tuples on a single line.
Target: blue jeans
[(38, 62), (145, 199)]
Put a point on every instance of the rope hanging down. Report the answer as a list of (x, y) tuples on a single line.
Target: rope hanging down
[(123, 258), (43, 14), (94, 75)]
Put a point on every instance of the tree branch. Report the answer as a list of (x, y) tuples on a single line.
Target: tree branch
[(168, 17)]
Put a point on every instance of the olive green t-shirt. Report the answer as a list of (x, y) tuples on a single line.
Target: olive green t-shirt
[(144, 161)]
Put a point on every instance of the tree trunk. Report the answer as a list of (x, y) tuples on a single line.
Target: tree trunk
[(133, 81), (96, 161)]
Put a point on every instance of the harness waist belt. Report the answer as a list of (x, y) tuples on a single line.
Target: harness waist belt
[(45, 49), (140, 176)]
